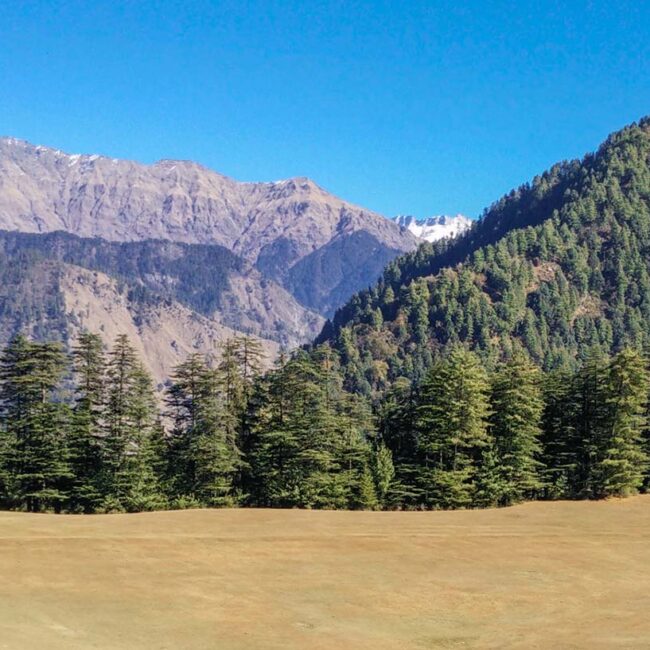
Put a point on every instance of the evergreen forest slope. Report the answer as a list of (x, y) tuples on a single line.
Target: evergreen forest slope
[(556, 267)]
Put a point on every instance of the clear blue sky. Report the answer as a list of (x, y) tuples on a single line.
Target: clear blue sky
[(403, 107)]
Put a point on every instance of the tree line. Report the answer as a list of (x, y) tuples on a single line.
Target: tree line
[(86, 431)]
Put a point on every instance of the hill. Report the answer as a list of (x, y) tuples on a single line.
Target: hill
[(558, 266), (540, 575)]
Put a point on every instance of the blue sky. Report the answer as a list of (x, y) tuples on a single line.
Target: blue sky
[(403, 107)]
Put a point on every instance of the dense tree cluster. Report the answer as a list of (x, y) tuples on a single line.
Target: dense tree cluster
[(554, 269), (86, 432)]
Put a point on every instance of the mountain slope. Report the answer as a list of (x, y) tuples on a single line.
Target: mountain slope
[(555, 267), (163, 332), (208, 279), (194, 295), (272, 225)]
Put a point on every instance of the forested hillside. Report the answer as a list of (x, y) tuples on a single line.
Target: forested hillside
[(556, 267), (206, 278), (509, 364)]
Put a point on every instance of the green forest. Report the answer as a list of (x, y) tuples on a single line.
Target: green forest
[(507, 364), (554, 269), (85, 432)]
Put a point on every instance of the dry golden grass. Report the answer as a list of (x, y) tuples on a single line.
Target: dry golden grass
[(540, 575)]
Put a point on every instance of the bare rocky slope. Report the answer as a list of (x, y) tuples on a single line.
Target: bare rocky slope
[(163, 333), (176, 242), (271, 225), (170, 298)]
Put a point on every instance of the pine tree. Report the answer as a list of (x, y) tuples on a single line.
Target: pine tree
[(560, 440), (517, 408), (452, 423), (398, 429), (183, 399), (491, 484), (231, 377), (129, 423), (621, 461), (86, 428), (250, 357), (147, 448), (205, 457), (273, 476), (36, 465), (367, 496), (590, 410)]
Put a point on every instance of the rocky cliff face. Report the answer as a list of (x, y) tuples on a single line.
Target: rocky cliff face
[(42, 190), (270, 259)]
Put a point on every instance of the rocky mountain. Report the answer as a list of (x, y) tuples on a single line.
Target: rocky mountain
[(434, 228), (176, 243), (273, 226)]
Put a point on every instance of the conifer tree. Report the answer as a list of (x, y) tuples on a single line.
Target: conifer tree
[(621, 461), (367, 492), (398, 429), (183, 398), (590, 410), (205, 457), (517, 408), (129, 423), (310, 444), (250, 358), (452, 423), (36, 465), (144, 462), (86, 428), (560, 440), (272, 472)]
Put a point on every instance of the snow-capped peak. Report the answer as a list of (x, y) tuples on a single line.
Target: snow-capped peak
[(433, 228)]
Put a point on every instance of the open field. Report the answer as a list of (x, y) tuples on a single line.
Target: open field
[(540, 575)]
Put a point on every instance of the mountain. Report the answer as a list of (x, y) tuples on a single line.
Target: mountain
[(174, 242), (171, 298), (272, 226), (433, 228), (557, 267)]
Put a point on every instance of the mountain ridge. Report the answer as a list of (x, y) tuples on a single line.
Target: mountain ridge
[(556, 267), (243, 200), (273, 226), (180, 238)]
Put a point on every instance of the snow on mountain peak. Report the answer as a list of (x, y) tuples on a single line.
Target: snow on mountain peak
[(436, 227)]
